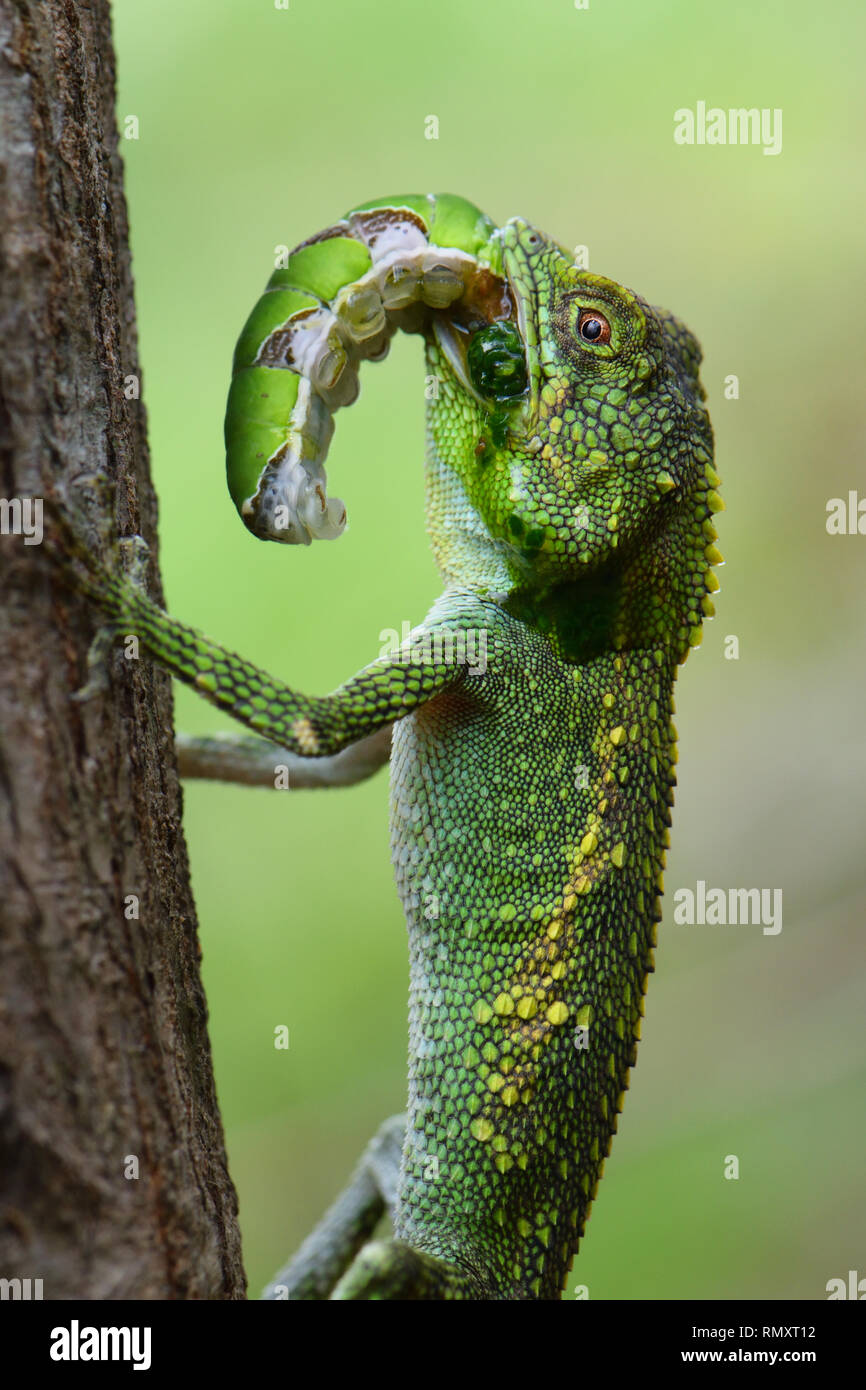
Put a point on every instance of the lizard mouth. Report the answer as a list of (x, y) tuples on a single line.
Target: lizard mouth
[(478, 327), (519, 240)]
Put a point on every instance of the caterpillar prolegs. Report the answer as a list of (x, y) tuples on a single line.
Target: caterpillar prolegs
[(422, 263)]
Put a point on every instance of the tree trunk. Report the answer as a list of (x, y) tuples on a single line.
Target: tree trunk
[(113, 1179)]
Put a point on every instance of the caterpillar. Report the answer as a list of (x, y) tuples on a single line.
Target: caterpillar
[(420, 263)]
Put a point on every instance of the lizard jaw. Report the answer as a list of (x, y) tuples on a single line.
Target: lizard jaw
[(519, 239)]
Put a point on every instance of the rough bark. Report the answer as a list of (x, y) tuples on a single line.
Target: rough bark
[(104, 1052)]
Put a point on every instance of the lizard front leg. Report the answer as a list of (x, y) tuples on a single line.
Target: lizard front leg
[(304, 727), (234, 758)]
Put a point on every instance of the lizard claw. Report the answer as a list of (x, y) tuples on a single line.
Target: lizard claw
[(97, 667), (89, 574), (134, 555)]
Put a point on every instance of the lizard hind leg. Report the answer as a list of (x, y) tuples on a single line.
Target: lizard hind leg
[(332, 1246), (393, 1269), (255, 762)]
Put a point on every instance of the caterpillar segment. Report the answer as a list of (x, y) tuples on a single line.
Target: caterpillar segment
[(416, 263)]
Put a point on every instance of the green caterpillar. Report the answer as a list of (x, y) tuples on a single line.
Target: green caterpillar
[(421, 263)]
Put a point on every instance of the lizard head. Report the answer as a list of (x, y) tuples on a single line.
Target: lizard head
[(603, 462)]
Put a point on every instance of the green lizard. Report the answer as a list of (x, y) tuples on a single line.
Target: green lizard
[(570, 501)]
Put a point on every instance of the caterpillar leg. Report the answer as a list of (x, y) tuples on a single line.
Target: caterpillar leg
[(332, 1246), (392, 1269), (256, 762)]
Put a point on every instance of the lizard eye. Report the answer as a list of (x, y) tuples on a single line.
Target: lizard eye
[(593, 327)]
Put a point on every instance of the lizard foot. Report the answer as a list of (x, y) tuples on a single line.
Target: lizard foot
[(391, 1269)]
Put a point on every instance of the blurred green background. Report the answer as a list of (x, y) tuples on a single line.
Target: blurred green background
[(260, 126)]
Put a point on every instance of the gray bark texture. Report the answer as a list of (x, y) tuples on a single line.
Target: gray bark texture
[(104, 1051)]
